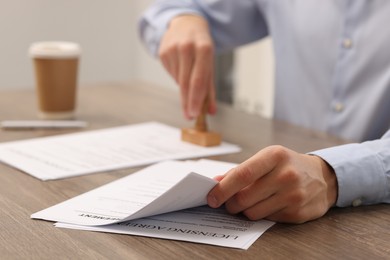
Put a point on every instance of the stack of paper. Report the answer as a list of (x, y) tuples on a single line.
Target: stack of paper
[(136, 205), (62, 156)]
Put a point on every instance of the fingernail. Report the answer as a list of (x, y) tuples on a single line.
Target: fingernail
[(187, 116), (193, 113), (212, 201)]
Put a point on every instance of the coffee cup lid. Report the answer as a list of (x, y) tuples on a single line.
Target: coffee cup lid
[(54, 49)]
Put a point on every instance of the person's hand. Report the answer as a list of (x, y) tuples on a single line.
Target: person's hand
[(187, 53), (277, 184)]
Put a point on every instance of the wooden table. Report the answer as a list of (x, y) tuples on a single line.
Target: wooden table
[(343, 233)]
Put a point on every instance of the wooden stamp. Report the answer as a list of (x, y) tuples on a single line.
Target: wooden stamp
[(199, 134)]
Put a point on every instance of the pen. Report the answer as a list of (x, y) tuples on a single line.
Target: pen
[(42, 124)]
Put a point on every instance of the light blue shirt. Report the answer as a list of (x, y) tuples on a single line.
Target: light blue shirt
[(332, 73)]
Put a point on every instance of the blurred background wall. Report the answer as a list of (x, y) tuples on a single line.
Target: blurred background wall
[(112, 52)]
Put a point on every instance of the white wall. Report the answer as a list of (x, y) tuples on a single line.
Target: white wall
[(148, 67), (106, 31), (255, 78)]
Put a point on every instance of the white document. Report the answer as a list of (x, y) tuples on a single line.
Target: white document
[(133, 204), (63, 156), (200, 225)]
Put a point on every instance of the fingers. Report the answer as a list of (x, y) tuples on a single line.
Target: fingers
[(242, 176), (201, 77), (255, 193), (277, 184), (269, 208), (186, 62), (187, 53), (219, 177), (167, 59), (212, 109)]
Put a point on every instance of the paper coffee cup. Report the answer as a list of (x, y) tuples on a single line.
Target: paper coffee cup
[(56, 67)]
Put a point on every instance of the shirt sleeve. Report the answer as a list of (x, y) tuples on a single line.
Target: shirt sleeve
[(362, 170), (232, 23)]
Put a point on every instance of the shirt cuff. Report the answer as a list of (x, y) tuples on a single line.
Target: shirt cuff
[(360, 174)]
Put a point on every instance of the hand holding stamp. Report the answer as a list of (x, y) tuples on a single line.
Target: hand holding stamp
[(199, 134)]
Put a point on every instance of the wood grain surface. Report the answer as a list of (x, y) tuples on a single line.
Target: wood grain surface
[(343, 233)]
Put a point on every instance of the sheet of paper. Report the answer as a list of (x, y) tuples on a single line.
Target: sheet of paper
[(63, 156), (164, 187), (160, 188), (201, 225)]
